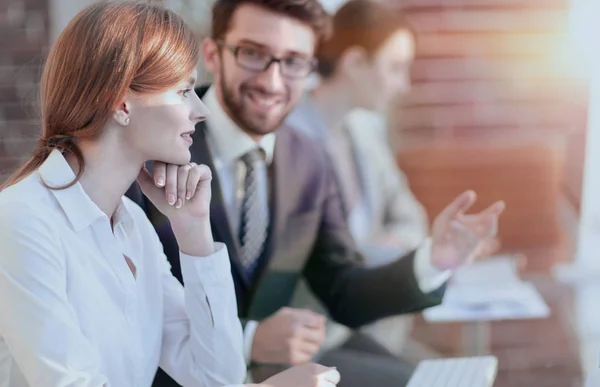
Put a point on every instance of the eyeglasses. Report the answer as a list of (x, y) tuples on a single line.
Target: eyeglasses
[(257, 60)]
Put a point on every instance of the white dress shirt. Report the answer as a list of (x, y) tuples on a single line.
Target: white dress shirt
[(227, 143), (73, 314)]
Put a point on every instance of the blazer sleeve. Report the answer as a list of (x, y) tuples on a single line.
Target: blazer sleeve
[(355, 295), (405, 217)]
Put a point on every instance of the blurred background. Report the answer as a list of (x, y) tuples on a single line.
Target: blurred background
[(499, 104)]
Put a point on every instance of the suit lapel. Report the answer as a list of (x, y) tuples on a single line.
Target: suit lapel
[(218, 210)]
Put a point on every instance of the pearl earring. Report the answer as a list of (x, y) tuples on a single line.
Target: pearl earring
[(127, 121)]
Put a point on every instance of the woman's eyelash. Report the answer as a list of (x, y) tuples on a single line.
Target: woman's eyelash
[(185, 92)]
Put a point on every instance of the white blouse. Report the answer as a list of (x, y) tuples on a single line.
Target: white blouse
[(73, 314)]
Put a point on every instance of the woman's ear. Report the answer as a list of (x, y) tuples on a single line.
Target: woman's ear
[(353, 62), (122, 113)]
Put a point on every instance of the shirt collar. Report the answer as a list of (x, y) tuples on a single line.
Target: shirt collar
[(230, 141), (77, 205)]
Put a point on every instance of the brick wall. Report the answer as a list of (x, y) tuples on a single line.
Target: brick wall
[(493, 107), (484, 70), (24, 36), (491, 66)]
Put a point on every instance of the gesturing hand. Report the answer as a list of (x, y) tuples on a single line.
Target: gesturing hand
[(459, 238)]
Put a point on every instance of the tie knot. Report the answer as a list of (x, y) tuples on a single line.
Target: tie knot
[(256, 155)]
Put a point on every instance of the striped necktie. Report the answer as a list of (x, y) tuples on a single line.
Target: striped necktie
[(254, 220)]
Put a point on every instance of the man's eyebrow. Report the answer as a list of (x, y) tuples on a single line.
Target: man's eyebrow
[(248, 42)]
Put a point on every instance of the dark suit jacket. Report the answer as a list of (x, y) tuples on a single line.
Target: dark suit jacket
[(308, 237)]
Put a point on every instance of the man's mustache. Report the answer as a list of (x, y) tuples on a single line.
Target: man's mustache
[(263, 92)]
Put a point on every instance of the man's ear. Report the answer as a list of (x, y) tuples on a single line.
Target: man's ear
[(210, 53), (353, 62)]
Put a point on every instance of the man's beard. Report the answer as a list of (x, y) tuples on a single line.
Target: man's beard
[(240, 115)]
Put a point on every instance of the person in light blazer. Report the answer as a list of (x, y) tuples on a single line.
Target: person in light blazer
[(361, 67), (87, 295)]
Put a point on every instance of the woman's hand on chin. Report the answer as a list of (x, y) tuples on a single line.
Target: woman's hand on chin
[(182, 193)]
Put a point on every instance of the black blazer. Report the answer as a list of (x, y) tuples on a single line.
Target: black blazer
[(308, 237)]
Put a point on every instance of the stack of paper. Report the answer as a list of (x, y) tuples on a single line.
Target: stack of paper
[(489, 290)]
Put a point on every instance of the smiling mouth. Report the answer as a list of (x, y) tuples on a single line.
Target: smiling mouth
[(263, 101)]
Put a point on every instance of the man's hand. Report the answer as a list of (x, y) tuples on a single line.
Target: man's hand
[(459, 238), (488, 248), (290, 336)]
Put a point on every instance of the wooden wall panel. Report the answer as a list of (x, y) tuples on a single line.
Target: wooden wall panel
[(487, 4), (487, 44), (487, 20), (507, 69), (491, 91)]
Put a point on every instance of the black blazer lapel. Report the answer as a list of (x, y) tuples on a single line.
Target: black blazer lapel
[(218, 211)]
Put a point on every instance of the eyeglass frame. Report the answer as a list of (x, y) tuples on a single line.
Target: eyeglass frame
[(234, 49)]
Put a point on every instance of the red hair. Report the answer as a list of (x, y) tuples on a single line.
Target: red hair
[(107, 50)]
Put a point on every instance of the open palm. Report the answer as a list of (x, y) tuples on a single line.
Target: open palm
[(459, 238)]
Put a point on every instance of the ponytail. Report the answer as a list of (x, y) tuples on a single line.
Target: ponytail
[(45, 146)]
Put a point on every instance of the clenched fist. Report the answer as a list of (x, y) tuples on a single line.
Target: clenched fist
[(290, 336)]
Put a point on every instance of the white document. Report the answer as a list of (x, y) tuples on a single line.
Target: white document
[(488, 303), (486, 291)]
